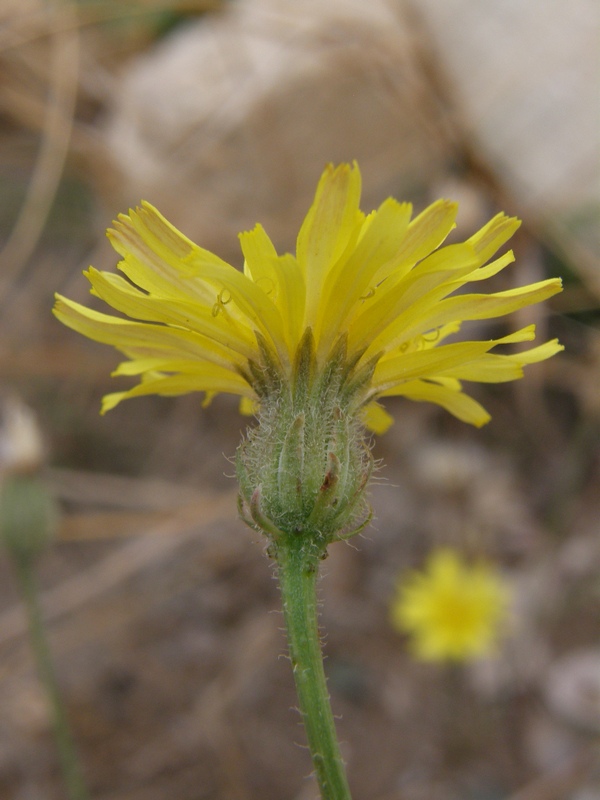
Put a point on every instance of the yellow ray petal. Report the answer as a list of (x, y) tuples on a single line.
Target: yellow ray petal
[(292, 298), (376, 325), (376, 418), (478, 306), (248, 407), (140, 366), (422, 363), (280, 278), (493, 235), (456, 402), (145, 338), (488, 368), (162, 237), (327, 228), (259, 254), (451, 360), (495, 368), (150, 264), (425, 233), (536, 354), (260, 311), (196, 317), (146, 239), (351, 278), (496, 266), (180, 384)]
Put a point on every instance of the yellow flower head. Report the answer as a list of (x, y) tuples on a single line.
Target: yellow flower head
[(378, 291), (452, 610)]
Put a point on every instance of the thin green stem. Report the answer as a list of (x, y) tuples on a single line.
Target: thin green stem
[(298, 571), (71, 770)]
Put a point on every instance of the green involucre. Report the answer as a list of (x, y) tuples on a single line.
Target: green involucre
[(305, 467)]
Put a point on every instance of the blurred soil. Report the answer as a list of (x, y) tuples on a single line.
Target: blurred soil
[(162, 608)]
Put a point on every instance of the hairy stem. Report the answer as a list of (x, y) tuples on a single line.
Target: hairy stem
[(298, 571)]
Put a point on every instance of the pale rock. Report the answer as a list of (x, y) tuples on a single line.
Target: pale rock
[(230, 120), (572, 689), (525, 75)]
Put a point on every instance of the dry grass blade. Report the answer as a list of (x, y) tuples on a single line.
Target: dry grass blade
[(35, 24), (90, 584), (118, 491), (56, 134)]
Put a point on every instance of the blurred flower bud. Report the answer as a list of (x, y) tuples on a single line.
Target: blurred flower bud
[(28, 512), (21, 446), (28, 515)]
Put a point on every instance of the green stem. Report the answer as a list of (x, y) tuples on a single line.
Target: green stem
[(298, 571), (72, 775)]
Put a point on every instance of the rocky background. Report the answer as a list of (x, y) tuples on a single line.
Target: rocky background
[(162, 611)]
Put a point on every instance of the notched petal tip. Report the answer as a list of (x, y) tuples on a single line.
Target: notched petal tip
[(110, 401)]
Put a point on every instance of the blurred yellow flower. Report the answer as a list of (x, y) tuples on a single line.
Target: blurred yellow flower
[(378, 289), (452, 610)]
